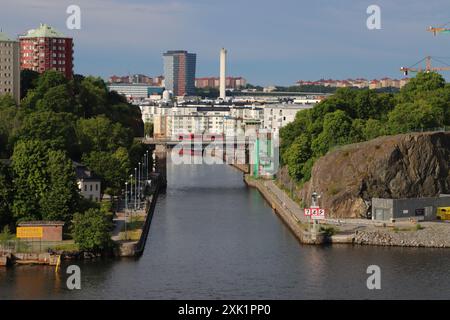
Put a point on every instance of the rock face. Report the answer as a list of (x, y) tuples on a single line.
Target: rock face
[(401, 166)]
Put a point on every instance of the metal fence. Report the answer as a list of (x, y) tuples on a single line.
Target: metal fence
[(27, 246)]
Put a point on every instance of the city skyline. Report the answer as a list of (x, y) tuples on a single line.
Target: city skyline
[(282, 45)]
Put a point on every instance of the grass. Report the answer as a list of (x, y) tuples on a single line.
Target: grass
[(133, 235), (329, 230), (416, 227), (69, 246), (134, 229)]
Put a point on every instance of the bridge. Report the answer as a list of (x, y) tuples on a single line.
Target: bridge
[(242, 150)]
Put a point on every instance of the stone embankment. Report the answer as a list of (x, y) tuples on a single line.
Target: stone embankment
[(433, 235)]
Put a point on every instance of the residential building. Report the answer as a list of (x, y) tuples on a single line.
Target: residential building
[(179, 72), (88, 184), (45, 49), (9, 67), (214, 82), (135, 91), (278, 115)]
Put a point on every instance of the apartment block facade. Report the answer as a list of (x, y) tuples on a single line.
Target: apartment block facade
[(9, 67), (179, 72), (45, 49)]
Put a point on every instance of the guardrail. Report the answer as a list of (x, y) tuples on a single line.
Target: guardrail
[(28, 246)]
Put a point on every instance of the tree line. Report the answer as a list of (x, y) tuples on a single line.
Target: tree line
[(351, 116)]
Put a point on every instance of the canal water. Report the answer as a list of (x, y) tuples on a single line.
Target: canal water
[(214, 238)]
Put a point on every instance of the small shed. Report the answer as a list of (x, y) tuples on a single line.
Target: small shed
[(40, 230)]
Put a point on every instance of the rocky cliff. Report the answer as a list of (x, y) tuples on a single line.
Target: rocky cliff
[(401, 166)]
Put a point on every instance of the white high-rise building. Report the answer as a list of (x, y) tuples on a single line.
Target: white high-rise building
[(223, 71)]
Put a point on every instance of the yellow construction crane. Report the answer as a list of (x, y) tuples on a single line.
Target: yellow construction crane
[(428, 66), (441, 29)]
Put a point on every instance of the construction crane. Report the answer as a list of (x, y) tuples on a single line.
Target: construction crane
[(428, 66), (441, 29)]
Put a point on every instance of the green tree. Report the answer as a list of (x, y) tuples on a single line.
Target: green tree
[(61, 198), (6, 195), (109, 169), (30, 179), (93, 96), (28, 80), (336, 131), (297, 155), (414, 115), (91, 230), (100, 134), (373, 129), (56, 130), (57, 99), (148, 129)]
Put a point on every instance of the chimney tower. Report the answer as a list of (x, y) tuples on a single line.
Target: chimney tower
[(223, 71)]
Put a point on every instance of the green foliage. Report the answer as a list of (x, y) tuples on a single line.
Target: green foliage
[(100, 134), (61, 198), (56, 130), (44, 182), (5, 195), (30, 179), (28, 79), (59, 120), (111, 168), (5, 235), (91, 230), (148, 129)]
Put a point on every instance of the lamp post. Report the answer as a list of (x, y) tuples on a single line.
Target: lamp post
[(135, 187), (146, 165), (131, 188), (139, 184)]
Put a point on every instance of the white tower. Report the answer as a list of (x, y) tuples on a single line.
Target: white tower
[(223, 71)]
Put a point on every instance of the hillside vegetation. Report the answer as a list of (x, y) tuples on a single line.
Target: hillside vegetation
[(351, 116)]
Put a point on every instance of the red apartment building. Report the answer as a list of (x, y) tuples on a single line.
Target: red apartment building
[(45, 49), (213, 82)]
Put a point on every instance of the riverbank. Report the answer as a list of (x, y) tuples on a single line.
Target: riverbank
[(131, 246), (351, 231)]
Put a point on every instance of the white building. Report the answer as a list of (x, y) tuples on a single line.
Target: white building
[(279, 115), (88, 185), (171, 122)]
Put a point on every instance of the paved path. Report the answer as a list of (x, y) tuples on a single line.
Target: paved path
[(286, 201)]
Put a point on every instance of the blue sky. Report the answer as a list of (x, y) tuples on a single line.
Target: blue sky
[(269, 42)]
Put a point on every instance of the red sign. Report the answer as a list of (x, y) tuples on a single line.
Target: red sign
[(315, 213)]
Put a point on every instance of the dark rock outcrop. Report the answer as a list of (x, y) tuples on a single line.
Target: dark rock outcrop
[(401, 166)]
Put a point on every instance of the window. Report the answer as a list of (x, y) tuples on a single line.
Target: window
[(96, 187), (90, 189), (85, 187)]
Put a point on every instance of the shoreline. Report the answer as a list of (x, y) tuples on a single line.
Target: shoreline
[(423, 235), (122, 249)]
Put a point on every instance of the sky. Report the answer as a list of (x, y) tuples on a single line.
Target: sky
[(268, 42)]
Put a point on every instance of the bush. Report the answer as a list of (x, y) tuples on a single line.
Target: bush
[(91, 230)]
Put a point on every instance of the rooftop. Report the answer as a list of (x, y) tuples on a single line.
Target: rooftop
[(4, 37), (41, 223), (44, 31)]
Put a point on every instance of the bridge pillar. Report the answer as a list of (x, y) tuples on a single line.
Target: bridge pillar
[(161, 163)]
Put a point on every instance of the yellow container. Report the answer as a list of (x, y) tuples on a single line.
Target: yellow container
[(443, 213)]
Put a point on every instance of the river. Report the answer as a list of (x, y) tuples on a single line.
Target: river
[(214, 238)]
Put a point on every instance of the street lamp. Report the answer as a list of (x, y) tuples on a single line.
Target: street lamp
[(126, 209), (139, 184), (146, 164), (131, 188), (135, 187)]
